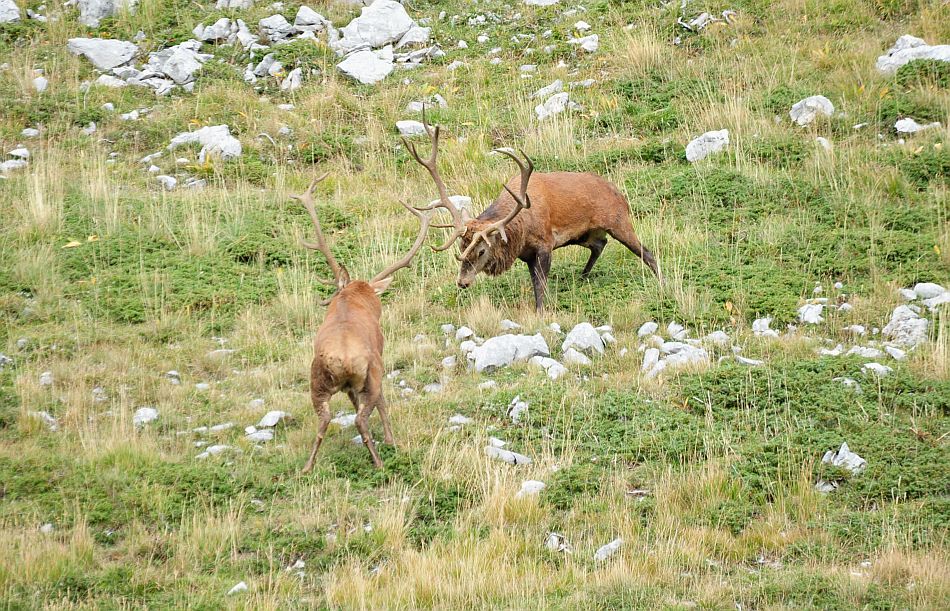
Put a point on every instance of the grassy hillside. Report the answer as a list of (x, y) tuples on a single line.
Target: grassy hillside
[(708, 474)]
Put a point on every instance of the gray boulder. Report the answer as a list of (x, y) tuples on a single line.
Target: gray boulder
[(908, 48), (9, 11), (707, 144), (368, 67), (104, 53), (809, 109), (382, 23), (906, 327), (506, 349), (584, 338), (91, 12), (214, 140)]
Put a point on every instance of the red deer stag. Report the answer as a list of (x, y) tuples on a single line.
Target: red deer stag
[(348, 348), (549, 210)]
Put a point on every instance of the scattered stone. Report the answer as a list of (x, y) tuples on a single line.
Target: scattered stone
[(928, 290), (545, 92), (488, 385), (167, 182), (865, 352), (367, 66), (707, 144), (531, 487), (508, 325), (676, 331), (845, 458), (448, 363), (909, 126), (459, 419), (237, 589), (719, 338), (506, 349), (309, 20), (381, 23), (806, 111), (214, 140), (344, 420), (463, 333), (587, 43), (906, 328), (896, 353), (9, 11), (46, 378), (507, 456), (516, 409), (849, 383), (540, 2), (811, 313), (877, 369), (51, 423), (293, 81), (104, 53), (40, 84), (29, 132), (584, 338), (647, 328), (558, 543), (747, 361), (553, 368), (214, 451), (260, 436), (144, 415), (908, 48), (556, 104), (573, 357), (273, 418), (224, 426), (608, 550), (202, 387), (91, 12), (434, 101), (432, 389), (411, 128), (651, 357)]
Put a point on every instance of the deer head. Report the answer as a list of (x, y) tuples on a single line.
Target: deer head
[(341, 278), (479, 239)]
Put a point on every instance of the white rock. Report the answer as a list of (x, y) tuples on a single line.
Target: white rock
[(806, 111), (865, 352), (467, 347), (496, 443), (747, 361), (309, 20), (220, 30), (107, 80), (531, 487), (20, 152), (588, 43), (836, 351), (719, 338), (573, 357), (260, 436), (167, 182), (144, 415), (516, 409), (344, 420), (651, 356), (46, 378), (224, 426), (850, 383), (906, 328), (104, 53), (214, 140), (556, 104), (647, 328), (179, 63), (275, 28), (51, 423), (40, 84), (12, 164), (928, 290), (91, 12), (488, 385), (553, 368), (507, 456), (582, 26), (381, 23), (608, 550), (558, 543), (9, 11), (707, 144), (845, 459), (234, 4), (240, 587), (676, 331), (293, 81), (459, 419), (272, 418), (896, 353), (584, 338), (448, 363), (434, 101), (811, 313), (908, 48), (859, 330), (411, 128), (877, 369), (506, 349), (823, 142), (540, 2), (909, 126), (463, 333), (508, 325), (30, 132), (939, 300), (417, 38), (368, 67)]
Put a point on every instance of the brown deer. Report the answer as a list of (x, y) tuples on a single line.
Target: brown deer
[(348, 348), (550, 210)]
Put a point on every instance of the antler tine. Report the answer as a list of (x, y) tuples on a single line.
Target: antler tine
[(522, 201), (430, 164), (424, 219), (306, 198)]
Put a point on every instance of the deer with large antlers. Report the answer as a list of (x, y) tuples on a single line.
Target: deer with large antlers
[(348, 347), (536, 214)]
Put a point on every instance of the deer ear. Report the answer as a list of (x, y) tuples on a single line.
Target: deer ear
[(466, 217), (380, 286), (344, 278)]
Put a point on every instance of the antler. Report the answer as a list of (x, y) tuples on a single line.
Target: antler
[(424, 222), (339, 273), (458, 216), (522, 201)]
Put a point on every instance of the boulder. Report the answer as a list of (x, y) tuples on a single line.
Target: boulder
[(586, 43), (368, 67), (309, 20), (845, 459), (91, 12), (555, 105), (906, 328), (608, 550), (234, 4), (9, 11), (928, 290), (811, 313), (647, 329), (545, 92), (553, 368), (214, 140), (410, 128), (584, 338), (707, 144), (506, 349), (806, 111), (275, 28), (573, 357), (272, 419), (104, 53), (909, 126), (144, 415), (531, 487), (908, 48), (507, 456), (382, 23)]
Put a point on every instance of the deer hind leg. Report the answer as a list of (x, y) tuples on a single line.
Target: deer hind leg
[(596, 247), (383, 409), (540, 265), (367, 403), (625, 235), (321, 404)]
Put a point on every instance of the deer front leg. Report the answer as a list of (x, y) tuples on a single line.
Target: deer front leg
[(540, 266)]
